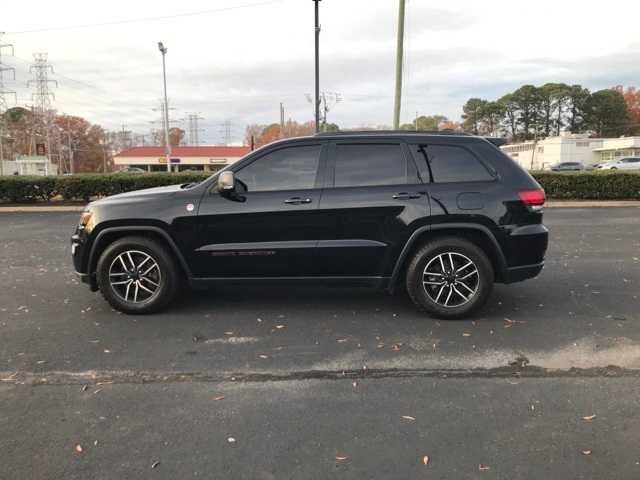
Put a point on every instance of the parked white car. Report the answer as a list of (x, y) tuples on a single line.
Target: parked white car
[(629, 163)]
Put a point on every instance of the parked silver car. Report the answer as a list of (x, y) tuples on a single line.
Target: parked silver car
[(628, 163), (567, 167)]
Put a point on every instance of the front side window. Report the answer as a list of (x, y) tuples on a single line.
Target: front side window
[(291, 168), (449, 164), (359, 165)]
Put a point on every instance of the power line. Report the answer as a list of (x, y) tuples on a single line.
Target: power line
[(145, 19)]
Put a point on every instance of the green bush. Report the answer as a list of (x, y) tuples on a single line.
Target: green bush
[(590, 185), (24, 189)]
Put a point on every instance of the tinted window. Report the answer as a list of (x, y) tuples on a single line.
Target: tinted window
[(292, 168), (373, 164), (450, 164)]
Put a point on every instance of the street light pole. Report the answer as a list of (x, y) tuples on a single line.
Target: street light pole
[(317, 33), (167, 147)]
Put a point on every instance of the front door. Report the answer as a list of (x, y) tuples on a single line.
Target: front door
[(271, 230), (374, 199)]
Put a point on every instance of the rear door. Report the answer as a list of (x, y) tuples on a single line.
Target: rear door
[(462, 188), (271, 230), (371, 203)]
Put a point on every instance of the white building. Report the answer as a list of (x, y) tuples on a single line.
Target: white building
[(542, 154), (34, 165), (204, 158)]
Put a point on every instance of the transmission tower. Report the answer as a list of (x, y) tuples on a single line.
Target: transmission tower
[(194, 130), (328, 100), (226, 133), (42, 97), (3, 99), (162, 121)]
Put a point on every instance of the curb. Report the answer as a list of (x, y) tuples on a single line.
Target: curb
[(549, 204), (41, 209), (592, 204)]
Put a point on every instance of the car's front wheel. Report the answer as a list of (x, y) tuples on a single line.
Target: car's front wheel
[(450, 278), (137, 275)]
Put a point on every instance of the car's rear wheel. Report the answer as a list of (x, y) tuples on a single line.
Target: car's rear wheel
[(450, 278), (137, 275)]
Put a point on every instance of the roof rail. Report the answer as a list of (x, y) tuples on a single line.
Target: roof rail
[(392, 132), (497, 141)]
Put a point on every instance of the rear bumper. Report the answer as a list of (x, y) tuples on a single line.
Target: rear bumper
[(523, 272)]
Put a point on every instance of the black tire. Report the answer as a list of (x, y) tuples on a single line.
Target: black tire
[(428, 255), (167, 276)]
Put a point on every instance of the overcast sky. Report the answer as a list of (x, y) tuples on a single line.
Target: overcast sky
[(238, 59)]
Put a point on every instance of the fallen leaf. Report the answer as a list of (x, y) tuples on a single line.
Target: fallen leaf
[(589, 418), (85, 388), (155, 464), (586, 452), (79, 448), (396, 347), (407, 417), (426, 460), (483, 468), (218, 398)]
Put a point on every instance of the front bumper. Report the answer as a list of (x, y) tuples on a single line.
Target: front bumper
[(79, 257)]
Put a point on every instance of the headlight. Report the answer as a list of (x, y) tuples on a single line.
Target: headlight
[(87, 220)]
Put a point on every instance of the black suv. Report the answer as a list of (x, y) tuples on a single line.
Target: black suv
[(445, 215)]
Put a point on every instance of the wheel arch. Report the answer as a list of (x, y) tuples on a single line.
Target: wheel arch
[(480, 235), (110, 234)]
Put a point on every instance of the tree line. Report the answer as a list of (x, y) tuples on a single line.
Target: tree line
[(533, 112)]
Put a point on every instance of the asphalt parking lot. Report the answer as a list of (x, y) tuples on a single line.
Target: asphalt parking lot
[(268, 382)]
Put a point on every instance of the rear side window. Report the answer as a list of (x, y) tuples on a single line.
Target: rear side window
[(449, 164), (359, 165)]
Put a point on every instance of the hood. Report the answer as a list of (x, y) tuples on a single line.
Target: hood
[(147, 193)]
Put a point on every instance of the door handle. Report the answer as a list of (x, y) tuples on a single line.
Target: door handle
[(297, 201), (406, 196)]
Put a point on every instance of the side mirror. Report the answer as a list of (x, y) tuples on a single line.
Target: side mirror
[(226, 182)]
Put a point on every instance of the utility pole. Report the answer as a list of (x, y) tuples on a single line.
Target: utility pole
[(167, 146), (399, 61), (3, 100), (317, 34), (281, 120), (42, 99), (72, 168)]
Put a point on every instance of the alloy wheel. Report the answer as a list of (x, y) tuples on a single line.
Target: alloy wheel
[(135, 276), (451, 279)]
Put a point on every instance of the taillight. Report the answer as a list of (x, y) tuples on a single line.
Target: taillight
[(534, 199)]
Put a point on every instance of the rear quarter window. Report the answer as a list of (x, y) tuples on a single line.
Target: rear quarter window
[(449, 164)]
